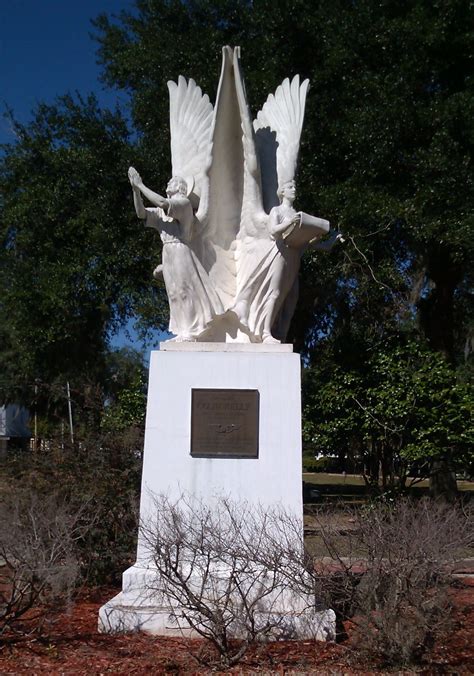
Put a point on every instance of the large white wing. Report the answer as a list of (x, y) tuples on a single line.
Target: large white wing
[(218, 216), (278, 131), (253, 217), (191, 119)]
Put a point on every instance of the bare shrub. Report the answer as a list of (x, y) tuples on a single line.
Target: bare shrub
[(229, 570), (38, 566), (100, 478), (392, 572)]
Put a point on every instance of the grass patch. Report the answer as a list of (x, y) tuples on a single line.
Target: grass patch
[(323, 479)]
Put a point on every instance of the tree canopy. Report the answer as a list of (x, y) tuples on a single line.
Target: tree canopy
[(73, 263), (387, 157), (387, 144)]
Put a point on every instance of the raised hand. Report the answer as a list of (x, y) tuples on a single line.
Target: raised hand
[(134, 178)]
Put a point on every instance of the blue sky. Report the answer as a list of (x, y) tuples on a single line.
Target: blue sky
[(46, 50)]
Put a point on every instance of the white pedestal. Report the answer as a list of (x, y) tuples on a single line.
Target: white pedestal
[(273, 479)]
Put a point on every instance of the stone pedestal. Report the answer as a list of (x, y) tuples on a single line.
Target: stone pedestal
[(272, 479)]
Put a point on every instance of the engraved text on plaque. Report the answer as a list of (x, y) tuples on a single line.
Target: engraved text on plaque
[(224, 423)]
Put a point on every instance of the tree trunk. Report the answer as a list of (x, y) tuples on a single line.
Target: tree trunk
[(437, 322), (437, 309), (443, 481)]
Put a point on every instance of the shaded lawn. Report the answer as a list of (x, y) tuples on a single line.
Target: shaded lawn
[(323, 479)]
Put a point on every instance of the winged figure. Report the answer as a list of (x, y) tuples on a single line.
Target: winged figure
[(232, 241), (273, 234)]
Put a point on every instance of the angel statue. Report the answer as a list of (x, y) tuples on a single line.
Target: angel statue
[(192, 298), (273, 235), (232, 241)]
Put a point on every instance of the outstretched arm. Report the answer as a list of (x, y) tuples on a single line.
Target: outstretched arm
[(138, 186), (139, 206), (134, 178), (154, 198), (329, 243)]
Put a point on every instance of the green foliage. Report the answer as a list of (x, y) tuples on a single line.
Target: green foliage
[(386, 156), (404, 404), (387, 145), (98, 475), (129, 409), (325, 464), (74, 264), (418, 398), (111, 485)]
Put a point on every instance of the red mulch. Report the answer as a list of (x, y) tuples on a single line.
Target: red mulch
[(73, 646)]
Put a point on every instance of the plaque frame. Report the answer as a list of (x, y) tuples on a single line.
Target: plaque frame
[(222, 408)]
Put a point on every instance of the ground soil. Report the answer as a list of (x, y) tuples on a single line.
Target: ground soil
[(71, 645)]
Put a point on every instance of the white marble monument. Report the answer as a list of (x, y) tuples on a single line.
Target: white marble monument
[(232, 243)]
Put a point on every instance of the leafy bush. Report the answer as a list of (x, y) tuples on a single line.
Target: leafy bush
[(403, 408), (325, 464)]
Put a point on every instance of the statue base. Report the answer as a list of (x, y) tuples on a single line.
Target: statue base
[(137, 609), (223, 420)]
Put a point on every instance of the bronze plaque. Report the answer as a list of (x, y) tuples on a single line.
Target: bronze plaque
[(224, 423)]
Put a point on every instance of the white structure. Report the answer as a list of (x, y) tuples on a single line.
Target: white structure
[(232, 241), (274, 477), (224, 409), (14, 421), (14, 426), (269, 480)]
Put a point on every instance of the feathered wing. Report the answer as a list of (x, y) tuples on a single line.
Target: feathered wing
[(271, 148), (255, 245), (253, 217), (191, 120), (218, 216), (278, 131), (217, 152)]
